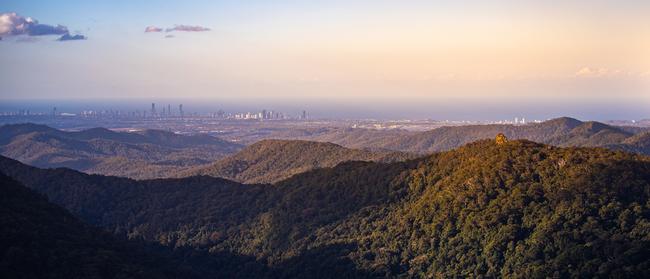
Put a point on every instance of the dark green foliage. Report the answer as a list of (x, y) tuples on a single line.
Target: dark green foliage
[(519, 209), (41, 240)]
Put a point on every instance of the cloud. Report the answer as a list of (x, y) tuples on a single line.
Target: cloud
[(150, 29), (588, 72), (188, 28), (12, 24), (68, 37)]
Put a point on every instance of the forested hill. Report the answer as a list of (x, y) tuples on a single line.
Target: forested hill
[(269, 161), (145, 154), (519, 209), (562, 131), (41, 240)]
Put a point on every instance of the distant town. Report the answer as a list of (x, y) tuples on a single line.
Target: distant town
[(160, 112), (246, 126)]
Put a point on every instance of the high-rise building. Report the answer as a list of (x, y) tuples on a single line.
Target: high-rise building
[(180, 109), (304, 115), (153, 109), (169, 110)]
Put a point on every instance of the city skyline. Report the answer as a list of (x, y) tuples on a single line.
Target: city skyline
[(479, 60)]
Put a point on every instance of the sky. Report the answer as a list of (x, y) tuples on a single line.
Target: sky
[(437, 59)]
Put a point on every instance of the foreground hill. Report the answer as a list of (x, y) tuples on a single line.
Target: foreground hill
[(270, 161), (147, 154), (41, 240), (519, 209), (563, 131)]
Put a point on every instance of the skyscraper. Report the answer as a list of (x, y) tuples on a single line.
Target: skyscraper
[(153, 109), (180, 109), (169, 110)]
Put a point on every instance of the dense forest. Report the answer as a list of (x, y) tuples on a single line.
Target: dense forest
[(270, 161), (518, 209), (152, 154), (42, 240), (145, 154)]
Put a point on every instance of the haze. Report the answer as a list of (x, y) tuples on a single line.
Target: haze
[(389, 58)]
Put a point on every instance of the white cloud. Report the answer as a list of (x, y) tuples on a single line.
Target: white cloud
[(12, 24), (588, 72)]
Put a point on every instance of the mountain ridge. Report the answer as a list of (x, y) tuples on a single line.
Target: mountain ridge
[(511, 210), (148, 154), (269, 161), (562, 131)]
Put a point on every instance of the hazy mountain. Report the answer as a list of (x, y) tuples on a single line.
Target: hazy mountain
[(269, 161), (639, 143), (563, 131), (357, 138), (147, 154), (519, 209)]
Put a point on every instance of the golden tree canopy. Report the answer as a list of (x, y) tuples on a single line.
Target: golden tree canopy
[(501, 138)]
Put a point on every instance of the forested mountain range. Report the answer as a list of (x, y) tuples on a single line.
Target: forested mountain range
[(519, 209), (562, 131), (270, 161), (146, 154), (159, 154)]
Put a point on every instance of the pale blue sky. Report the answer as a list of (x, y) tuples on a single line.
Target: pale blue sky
[(352, 52)]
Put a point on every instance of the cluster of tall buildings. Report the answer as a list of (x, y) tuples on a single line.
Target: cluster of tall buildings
[(262, 115), (166, 111)]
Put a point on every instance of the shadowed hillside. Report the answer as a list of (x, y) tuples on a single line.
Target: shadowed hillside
[(42, 240), (519, 209)]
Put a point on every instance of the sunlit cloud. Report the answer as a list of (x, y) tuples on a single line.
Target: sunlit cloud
[(188, 28), (588, 72), (12, 24), (150, 29)]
